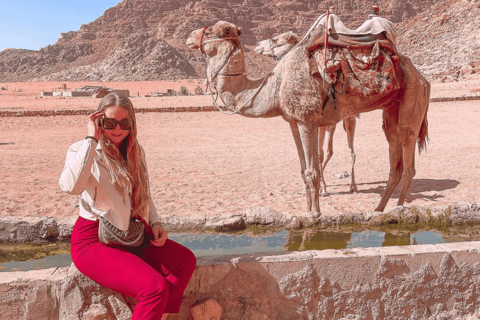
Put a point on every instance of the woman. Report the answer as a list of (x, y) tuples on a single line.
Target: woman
[(107, 169)]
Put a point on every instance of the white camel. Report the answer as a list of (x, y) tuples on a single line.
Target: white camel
[(278, 46)]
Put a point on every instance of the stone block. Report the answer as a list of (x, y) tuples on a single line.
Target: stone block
[(209, 310), (405, 283)]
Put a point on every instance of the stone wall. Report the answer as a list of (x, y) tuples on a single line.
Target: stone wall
[(44, 229), (411, 282)]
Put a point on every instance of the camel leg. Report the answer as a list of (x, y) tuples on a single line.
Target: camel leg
[(309, 141), (412, 125), (349, 124), (390, 124), (321, 139), (408, 169), (328, 131), (301, 156)]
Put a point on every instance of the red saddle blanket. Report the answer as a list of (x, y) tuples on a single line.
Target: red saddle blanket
[(365, 64)]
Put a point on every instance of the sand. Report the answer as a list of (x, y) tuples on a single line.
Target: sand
[(209, 164)]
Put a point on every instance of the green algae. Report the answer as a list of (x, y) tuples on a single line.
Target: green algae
[(339, 236), (31, 251)]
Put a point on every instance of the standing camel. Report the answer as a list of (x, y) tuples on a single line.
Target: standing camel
[(290, 91), (278, 46)]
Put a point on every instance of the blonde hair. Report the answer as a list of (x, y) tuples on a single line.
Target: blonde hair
[(127, 171)]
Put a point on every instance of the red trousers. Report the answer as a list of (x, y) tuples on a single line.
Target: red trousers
[(155, 276)]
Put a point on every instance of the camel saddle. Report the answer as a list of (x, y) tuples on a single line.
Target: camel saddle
[(364, 63), (353, 41)]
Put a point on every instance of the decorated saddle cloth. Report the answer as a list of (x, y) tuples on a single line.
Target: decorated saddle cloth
[(364, 60)]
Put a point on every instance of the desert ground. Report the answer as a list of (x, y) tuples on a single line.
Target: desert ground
[(209, 163)]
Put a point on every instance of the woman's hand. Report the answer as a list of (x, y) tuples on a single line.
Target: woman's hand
[(160, 235), (93, 129)]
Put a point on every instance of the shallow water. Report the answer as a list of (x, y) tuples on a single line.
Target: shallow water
[(56, 255)]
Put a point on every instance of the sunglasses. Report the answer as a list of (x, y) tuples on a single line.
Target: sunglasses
[(111, 123)]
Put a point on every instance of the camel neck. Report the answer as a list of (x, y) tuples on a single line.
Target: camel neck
[(253, 97)]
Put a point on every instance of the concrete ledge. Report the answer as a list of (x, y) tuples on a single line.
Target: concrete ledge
[(41, 229), (410, 282)]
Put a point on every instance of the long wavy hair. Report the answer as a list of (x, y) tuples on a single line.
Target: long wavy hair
[(125, 165)]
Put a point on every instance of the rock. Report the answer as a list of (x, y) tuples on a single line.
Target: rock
[(466, 70), (234, 222), (450, 49), (263, 216), (309, 219), (209, 310), (295, 224), (35, 229)]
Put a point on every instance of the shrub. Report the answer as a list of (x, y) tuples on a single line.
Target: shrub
[(199, 91), (183, 91)]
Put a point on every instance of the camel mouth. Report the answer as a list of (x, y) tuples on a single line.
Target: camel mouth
[(193, 41), (192, 44), (258, 50)]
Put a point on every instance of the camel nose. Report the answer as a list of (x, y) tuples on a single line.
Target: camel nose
[(192, 44), (193, 41), (258, 50)]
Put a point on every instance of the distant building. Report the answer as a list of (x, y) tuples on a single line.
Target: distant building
[(86, 91), (101, 91)]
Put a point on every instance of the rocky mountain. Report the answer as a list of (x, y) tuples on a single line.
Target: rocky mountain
[(444, 41), (145, 39)]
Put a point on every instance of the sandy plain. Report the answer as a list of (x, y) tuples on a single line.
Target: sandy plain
[(209, 164)]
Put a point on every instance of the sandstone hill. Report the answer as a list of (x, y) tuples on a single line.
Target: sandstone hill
[(444, 41), (145, 39)]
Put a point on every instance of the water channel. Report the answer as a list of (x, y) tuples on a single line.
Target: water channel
[(23, 257)]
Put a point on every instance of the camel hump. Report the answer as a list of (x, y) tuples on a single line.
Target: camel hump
[(373, 25), (364, 60), (374, 28)]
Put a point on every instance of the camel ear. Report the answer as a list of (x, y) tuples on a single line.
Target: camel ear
[(239, 31), (292, 36)]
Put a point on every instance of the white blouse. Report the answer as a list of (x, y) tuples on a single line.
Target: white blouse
[(86, 174)]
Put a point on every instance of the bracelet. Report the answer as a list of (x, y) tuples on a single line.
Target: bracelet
[(93, 138), (157, 223)]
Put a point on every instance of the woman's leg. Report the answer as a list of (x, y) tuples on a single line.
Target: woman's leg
[(177, 264), (119, 270)]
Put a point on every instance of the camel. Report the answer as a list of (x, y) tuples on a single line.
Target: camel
[(276, 47), (292, 92)]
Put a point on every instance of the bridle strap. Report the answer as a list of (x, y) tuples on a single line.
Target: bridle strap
[(201, 39), (202, 42), (218, 39), (209, 81)]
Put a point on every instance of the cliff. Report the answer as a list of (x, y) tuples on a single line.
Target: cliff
[(145, 39)]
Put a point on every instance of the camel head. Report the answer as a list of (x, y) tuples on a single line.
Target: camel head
[(208, 39), (221, 44), (278, 46)]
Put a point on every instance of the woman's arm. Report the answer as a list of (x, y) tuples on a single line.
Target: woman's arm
[(78, 163), (74, 176)]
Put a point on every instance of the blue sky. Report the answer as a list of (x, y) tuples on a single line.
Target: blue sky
[(34, 24)]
